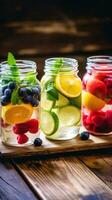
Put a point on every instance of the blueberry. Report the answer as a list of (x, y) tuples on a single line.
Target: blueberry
[(4, 88), (84, 135), (37, 142), (36, 91), (4, 100), (7, 93), (28, 99), (22, 92), (12, 85), (34, 102)]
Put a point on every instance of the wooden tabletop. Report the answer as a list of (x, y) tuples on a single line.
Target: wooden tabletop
[(85, 176)]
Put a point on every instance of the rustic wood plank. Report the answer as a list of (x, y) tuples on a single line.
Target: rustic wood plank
[(12, 185), (53, 147), (64, 179), (101, 166)]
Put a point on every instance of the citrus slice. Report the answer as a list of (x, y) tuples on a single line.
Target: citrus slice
[(76, 101), (15, 114), (68, 84), (45, 103), (49, 122), (62, 101), (92, 102), (69, 115)]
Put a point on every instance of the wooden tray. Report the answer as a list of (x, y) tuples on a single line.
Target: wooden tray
[(53, 147)]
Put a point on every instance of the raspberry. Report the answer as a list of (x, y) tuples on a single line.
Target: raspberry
[(109, 118), (20, 128), (22, 139), (3, 124), (33, 125)]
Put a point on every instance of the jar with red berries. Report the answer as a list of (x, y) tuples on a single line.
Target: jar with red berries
[(19, 102), (97, 95)]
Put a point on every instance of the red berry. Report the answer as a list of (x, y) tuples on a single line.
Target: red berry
[(33, 125), (109, 118), (97, 88), (3, 124), (100, 75), (20, 128), (108, 83), (22, 139)]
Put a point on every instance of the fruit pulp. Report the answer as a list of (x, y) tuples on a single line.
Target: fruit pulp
[(97, 103), (60, 106)]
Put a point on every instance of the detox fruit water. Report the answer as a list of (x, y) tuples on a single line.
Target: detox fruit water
[(19, 102), (60, 99), (97, 95)]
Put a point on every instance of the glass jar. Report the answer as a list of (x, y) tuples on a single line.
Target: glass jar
[(60, 99), (19, 103), (97, 95)]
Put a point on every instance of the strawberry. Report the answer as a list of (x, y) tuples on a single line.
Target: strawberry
[(97, 88), (33, 125), (20, 128), (108, 83), (3, 124), (22, 139)]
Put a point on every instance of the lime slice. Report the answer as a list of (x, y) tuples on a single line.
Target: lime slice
[(68, 84), (45, 103), (63, 101), (76, 101), (69, 115), (49, 122)]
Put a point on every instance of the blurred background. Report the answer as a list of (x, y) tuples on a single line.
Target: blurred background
[(39, 29)]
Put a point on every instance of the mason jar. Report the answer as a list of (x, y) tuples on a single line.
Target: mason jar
[(97, 95), (60, 103), (19, 102)]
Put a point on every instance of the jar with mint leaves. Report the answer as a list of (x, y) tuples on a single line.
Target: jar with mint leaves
[(19, 101), (60, 112)]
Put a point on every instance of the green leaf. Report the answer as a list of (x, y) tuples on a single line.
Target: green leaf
[(52, 93), (57, 66), (11, 60), (13, 67), (15, 96), (30, 78)]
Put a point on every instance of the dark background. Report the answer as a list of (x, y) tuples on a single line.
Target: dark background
[(38, 29)]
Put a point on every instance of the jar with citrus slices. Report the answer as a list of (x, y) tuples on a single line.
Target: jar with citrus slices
[(61, 88), (97, 95), (19, 101)]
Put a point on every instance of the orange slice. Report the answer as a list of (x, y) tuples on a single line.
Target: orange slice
[(15, 114), (92, 102), (68, 84)]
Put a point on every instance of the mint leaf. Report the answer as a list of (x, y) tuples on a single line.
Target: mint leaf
[(52, 93), (15, 96), (57, 66), (30, 78), (13, 67), (11, 60)]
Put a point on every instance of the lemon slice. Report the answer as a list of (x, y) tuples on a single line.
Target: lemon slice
[(92, 102), (15, 114), (68, 84)]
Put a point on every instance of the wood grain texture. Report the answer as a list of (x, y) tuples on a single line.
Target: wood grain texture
[(12, 187), (101, 166), (51, 147), (64, 179)]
